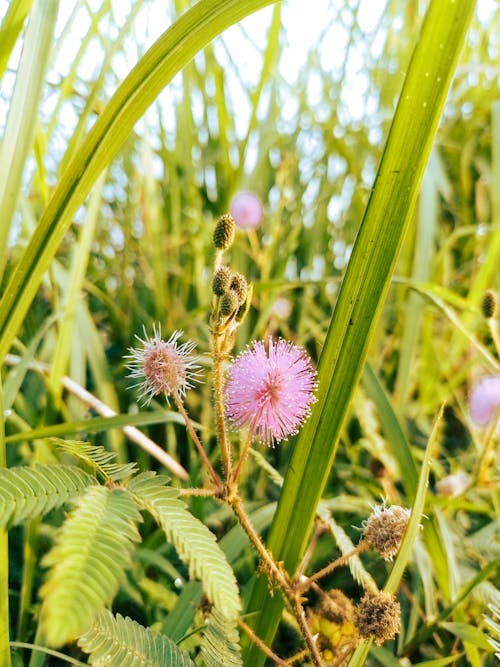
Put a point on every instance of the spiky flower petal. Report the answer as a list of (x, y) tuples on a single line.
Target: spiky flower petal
[(164, 367), (271, 392)]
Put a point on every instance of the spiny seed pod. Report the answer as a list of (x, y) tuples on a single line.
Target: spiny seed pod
[(385, 528), (336, 607), (224, 232), (378, 615), (221, 281), (489, 304), (240, 286), (228, 303)]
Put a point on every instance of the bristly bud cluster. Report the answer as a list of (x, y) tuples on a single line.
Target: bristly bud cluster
[(385, 528), (378, 616), (224, 232), (489, 304)]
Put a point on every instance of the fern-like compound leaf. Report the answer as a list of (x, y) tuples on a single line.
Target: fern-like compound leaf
[(221, 642), (29, 492), (87, 562), (194, 543), (97, 458), (114, 641)]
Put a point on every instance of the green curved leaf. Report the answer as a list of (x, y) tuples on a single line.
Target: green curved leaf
[(29, 492), (168, 55), (87, 563), (114, 641), (193, 541)]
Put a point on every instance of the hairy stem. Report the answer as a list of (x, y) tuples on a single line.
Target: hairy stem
[(300, 615), (191, 430), (224, 444), (263, 647), (243, 457), (274, 571), (328, 569)]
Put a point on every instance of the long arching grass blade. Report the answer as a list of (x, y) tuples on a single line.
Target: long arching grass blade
[(362, 293)]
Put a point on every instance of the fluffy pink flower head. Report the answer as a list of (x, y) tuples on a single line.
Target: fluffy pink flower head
[(165, 367), (271, 392), (484, 400), (247, 211)]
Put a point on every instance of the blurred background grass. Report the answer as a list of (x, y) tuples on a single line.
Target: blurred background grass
[(295, 110)]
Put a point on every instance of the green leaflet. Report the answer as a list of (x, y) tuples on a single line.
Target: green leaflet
[(193, 541), (221, 642), (30, 492), (114, 641), (87, 563), (98, 458)]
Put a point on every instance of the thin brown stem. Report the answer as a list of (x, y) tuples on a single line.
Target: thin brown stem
[(243, 458), (277, 574), (339, 562), (320, 529), (215, 478), (263, 647), (197, 492), (306, 633)]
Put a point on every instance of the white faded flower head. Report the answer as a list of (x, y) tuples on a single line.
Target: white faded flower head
[(163, 367), (385, 528)]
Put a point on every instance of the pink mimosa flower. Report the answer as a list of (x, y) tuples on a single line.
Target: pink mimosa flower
[(484, 400), (271, 392), (247, 211)]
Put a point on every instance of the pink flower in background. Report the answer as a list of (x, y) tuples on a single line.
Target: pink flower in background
[(271, 392), (484, 400), (247, 211)]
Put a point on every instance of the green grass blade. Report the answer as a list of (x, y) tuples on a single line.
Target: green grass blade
[(12, 25), (176, 47), (396, 437), (23, 112), (4, 563), (362, 293)]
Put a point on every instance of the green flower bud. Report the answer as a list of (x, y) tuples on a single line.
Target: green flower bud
[(221, 281), (240, 286), (489, 304), (224, 232), (229, 303)]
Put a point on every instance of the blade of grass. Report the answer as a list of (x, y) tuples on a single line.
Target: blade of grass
[(362, 293), (23, 112), (12, 25), (4, 562), (393, 430), (72, 292), (406, 548), (155, 69)]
